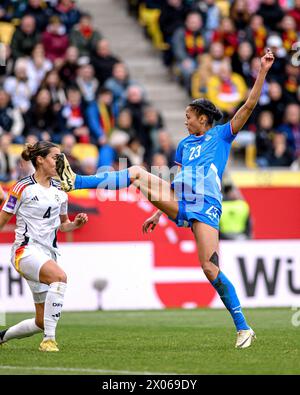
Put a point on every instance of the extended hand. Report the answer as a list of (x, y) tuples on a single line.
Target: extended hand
[(80, 220), (150, 223), (267, 60)]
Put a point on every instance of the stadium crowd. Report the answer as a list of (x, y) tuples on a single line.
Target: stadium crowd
[(60, 81), (212, 47)]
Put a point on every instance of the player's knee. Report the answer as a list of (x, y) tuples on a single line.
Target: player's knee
[(208, 269), (60, 277)]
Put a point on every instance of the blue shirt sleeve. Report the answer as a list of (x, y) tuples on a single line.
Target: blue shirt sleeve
[(178, 155), (225, 132)]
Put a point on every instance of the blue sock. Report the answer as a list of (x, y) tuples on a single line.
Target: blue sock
[(229, 297), (107, 180)]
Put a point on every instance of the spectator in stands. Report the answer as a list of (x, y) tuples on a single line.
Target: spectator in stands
[(256, 34), (40, 11), (276, 104), (11, 121), (295, 13), (291, 127), (103, 61), (24, 38), (38, 66), (101, 115), (72, 118), (68, 13), (55, 40), (292, 81), (110, 153), (19, 87), (271, 12), (187, 44), (41, 119), (227, 35), (226, 90), (7, 160), (67, 145), (86, 82), (212, 18), (134, 152), (171, 18), (289, 35), (241, 61), (68, 70), (277, 72), (159, 166), (166, 147), (55, 86), (124, 122), (240, 15), (118, 83), (263, 138), (152, 123), (84, 36), (281, 155), (208, 65), (135, 102), (235, 222)]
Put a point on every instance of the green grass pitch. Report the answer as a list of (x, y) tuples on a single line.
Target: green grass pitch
[(199, 341)]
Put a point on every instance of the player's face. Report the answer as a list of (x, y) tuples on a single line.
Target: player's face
[(192, 122), (49, 162)]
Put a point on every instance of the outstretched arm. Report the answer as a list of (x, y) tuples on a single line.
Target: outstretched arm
[(243, 114)]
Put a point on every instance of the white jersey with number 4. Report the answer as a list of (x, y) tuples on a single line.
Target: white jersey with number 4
[(37, 210)]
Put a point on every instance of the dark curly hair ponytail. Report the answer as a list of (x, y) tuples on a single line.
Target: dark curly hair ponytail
[(206, 107)]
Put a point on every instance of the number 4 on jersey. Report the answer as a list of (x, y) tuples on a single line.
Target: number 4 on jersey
[(47, 213)]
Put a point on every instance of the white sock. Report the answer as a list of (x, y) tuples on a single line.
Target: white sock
[(53, 307), (24, 328)]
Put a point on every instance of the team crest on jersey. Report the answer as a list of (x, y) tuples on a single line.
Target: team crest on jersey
[(57, 198), (11, 203), (213, 213)]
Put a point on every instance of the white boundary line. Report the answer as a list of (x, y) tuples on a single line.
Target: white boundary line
[(40, 368)]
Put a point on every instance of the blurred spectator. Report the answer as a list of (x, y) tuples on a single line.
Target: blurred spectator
[(124, 122), (68, 13), (264, 135), (152, 122), (212, 17), (240, 15), (11, 120), (72, 118), (171, 18), (134, 152), (187, 44), (41, 119), (166, 147), (256, 34), (67, 145), (292, 81), (110, 153), (101, 115), (19, 87), (276, 104), (289, 34), (241, 61), (291, 127), (68, 70), (7, 160), (39, 10), (208, 65), (277, 70), (24, 38), (118, 83), (54, 85), (37, 66), (159, 166), (226, 90), (55, 40), (235, 222), (103, 61), (227, 35), (87, 83), (295, 13), (84, 36), (271, 12), (280, 155)]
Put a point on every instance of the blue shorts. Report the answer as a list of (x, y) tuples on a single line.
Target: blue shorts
[(209, 212)]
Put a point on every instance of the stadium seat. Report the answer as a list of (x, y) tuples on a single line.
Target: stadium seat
[(16, 149)]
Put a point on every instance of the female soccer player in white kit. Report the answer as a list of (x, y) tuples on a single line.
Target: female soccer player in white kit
[(40, 207)]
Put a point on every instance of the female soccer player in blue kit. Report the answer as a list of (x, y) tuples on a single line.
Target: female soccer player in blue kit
[(194, 198)]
